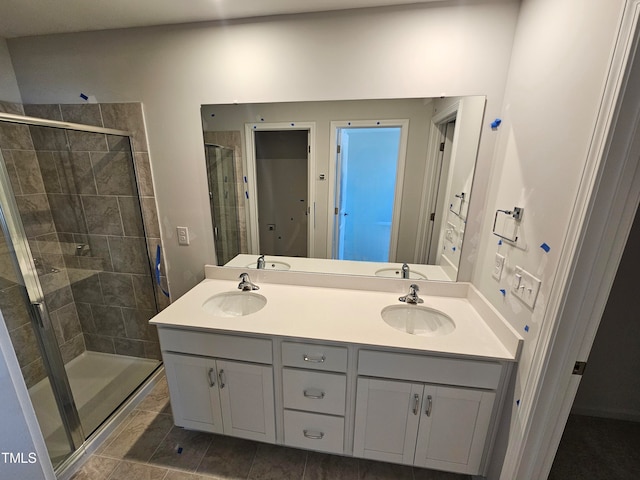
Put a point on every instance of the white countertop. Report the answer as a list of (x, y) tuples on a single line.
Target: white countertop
[(344, 315)]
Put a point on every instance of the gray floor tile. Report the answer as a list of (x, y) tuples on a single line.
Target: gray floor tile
[(370, 470), (158, 399), (96, 468), (321, 466), (181, 449), (228, 458), (137, 471), (141, 437), (277, 463), (427, 474)]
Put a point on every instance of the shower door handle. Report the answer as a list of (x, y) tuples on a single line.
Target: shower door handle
[(37, 310)]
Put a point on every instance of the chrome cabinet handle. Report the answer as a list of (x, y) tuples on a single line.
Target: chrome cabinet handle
[(212, 377), (416, 403), (429, 405), (221, 377), (309, 359), (312, 435), (315, 396)]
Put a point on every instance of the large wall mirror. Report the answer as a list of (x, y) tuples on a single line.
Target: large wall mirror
[(356, 186)]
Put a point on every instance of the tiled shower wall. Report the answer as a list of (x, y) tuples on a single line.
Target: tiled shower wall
[(79, 208)]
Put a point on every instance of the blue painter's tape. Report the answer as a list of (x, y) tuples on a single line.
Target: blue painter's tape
[(503, 292), (500, 242), (245, 179), (83, 96), (158, 272), (545, 247), (496, 123), (518, 402), (526, 328), (246, 194), (453, 248), (179, 450)]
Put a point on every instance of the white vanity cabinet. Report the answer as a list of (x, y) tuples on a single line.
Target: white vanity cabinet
[(441, 425), (314, 396), (220, 395)]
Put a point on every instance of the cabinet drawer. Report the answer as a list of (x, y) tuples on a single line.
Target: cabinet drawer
[(257, 350), (314, 391), (422, 368), (314, 431), (317, 357)]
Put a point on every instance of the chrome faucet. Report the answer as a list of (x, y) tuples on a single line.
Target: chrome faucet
[(405, 270), (246, 285), (412, 297), (260, 263)]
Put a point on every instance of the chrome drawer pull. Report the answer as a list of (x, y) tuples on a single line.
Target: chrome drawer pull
[(222, 378), (312, 435), (315, 396), (309, 359), (416, 403), (212, 376)]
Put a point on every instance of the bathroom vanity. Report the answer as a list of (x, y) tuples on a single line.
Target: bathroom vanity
[(308, 361)]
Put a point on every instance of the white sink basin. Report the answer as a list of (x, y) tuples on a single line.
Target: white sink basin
[(234, 304), (397, 273), (417, 320), (270, 265)]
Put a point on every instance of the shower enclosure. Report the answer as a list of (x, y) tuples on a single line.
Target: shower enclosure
[(223, 200), (76, 284)]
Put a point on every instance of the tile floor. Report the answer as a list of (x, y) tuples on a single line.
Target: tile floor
[(146, 446)]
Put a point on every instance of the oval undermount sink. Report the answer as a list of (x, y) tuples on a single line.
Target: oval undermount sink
[(397, 273), (417, 320), (234, 304), (271, 265)]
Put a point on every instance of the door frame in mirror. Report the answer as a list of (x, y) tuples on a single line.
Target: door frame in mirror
[(249, 163)]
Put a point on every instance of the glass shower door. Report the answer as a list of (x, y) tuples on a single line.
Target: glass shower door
[(223, 201), (33, 338), (77, 258)]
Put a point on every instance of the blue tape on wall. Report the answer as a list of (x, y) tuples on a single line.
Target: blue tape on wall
[(496, 123), (158, 272), (545, 247), (83, 96)]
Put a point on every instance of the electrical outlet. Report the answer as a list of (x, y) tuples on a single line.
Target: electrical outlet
[(498, 265), (525, 286), (183, 235)]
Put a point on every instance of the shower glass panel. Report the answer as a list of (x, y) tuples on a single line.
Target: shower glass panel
[(223, 199), (80, 244)]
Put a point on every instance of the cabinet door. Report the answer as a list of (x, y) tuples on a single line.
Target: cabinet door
[(194, 392), (246, 396), (387, 417), (453, 428)]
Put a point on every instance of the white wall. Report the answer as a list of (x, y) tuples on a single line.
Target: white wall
[(415, 51), (561, 55), (21, 433), (9, 91)]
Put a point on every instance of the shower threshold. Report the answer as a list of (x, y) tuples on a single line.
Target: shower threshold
[(100, 382)]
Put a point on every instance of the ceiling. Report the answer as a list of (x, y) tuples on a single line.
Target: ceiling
[(20, 18)]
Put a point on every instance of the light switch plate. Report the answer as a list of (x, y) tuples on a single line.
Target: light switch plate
[(525, 286)]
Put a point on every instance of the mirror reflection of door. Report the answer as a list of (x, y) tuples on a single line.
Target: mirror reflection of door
[(281, 162), (367, 168), (438, 233)]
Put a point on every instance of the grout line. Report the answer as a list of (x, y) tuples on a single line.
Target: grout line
[(253, 460), (195, 472)]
